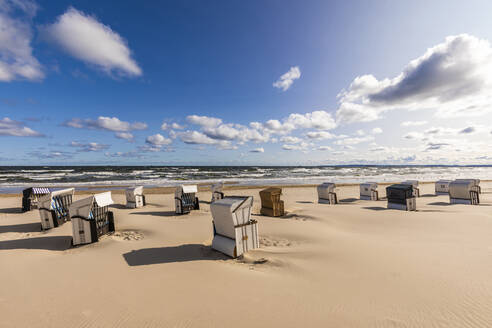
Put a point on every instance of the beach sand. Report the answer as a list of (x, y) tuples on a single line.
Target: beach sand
[(355, 264)]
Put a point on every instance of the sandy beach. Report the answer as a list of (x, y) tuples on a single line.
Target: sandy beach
[(355, 264)]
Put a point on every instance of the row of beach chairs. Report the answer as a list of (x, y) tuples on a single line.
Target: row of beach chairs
[(235, 232)]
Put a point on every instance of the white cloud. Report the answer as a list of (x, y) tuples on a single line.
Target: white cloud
[(257, 150), (16, 59), (287, 79), (158, 140), (353, 141), (454, 78), (290, 140), (320, 135), (302, 146), (10, 127), (168, 126), (196, 138), (377, 131), (105, 123), (325, 148), (89, 147), (92, 42), (124, 135), (204, 121), (413, 123)]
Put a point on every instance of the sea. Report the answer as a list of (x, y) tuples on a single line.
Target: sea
[(15, 178)]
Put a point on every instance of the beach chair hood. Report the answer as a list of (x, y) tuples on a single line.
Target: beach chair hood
[(47, 200), (228, 213)]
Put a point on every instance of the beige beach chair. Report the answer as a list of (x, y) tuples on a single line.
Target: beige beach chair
[(234, 231), (217, 193), (135, 197), (401, 197), (53, 208), (271, 205), (369, 191), (442, 187), (464, 191), (327, 194), (185, 199), (91, 218), (476, 184)]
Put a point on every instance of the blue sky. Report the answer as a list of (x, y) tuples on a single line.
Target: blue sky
[(245, 82)]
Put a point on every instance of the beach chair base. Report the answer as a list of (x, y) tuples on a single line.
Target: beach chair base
[(463, 201), (332, 200), (411, 205), (139, 202), (50, 220), (246, 240), (278, 210), (86, 231)]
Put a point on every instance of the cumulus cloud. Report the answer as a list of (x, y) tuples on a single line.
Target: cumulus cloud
[(89, 147), (167, 126), (303, 146), (287, 79), (453, 78), (325, 148), (320, 135), (113, 124), (290, 140), (51, 154), (377, 131), (468, 130), (353, 141), (9, 127), (257, 150), (204, 121), (89, 40), (158, 140), (124, 135), (16, 58)]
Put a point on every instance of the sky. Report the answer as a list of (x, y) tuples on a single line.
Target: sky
[(257, 82)]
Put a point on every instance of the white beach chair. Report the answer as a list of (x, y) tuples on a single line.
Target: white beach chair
[(401, 197), (464, 192), (185, 199), (53, 208), (135, 197), (415, 185), (476, 184), (234, 231), (442, 187), (369, 191), (30, 197), (217, 191), (91, 218), (326, 193)]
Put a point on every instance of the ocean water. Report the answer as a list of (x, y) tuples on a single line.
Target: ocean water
[(15, 178)]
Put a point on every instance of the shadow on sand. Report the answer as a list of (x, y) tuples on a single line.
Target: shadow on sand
[(119, 206), (375, 208), (10, 210), (157, 213), (304, 202), (25, 227), (348, 200), (53, 243), (172, 254), (439, 204)]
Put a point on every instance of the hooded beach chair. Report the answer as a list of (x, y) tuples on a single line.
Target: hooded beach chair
[(217, 193), (369, 191), (91, 218), (442, 187), (326, 193), (476, 184), (271, 205), (135, 197), (53, 208), (464, 191), (234, 231), (30, 197), (415, 185), (401, 197), (185, 199)]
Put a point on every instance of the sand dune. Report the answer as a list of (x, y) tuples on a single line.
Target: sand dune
[(355, 264)]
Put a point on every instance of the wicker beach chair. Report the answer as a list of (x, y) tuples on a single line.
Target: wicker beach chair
[(234, 231), (401, 197), (135, 197), (464, 191), (53, 208), (30, 197), (217, 193), (326, 193), (91, 218), (369, 191), (185, 199), (271, 205), (415, 185), (442, 187)]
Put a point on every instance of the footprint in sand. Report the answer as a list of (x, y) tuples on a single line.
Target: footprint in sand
[(127, 235), (275, 242)]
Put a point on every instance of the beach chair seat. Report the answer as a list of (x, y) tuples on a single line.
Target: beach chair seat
[(327, 194), (185, 199), (401, 197), (31, 196), (369, 191), (135, 197), (464, 191), (217, 191), (91, 218), (271, 205), (53, 208), (234, 231)]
